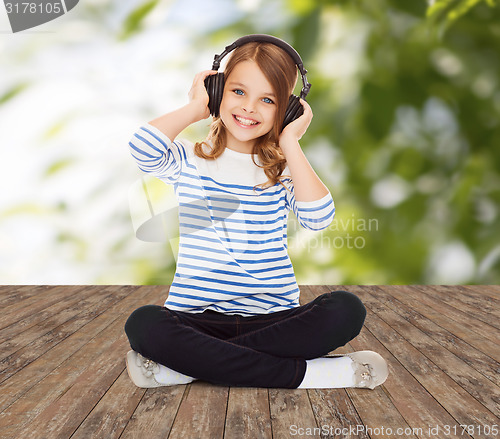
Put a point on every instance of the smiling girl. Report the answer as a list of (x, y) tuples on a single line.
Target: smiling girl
[(232, 316)]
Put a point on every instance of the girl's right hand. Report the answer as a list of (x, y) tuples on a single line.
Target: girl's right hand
[(198, 96)]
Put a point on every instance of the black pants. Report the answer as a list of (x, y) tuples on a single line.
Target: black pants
[(259, 351)]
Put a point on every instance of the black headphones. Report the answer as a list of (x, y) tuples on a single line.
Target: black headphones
[(215, 83)]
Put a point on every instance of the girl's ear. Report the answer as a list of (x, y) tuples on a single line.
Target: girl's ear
[(215, 89)]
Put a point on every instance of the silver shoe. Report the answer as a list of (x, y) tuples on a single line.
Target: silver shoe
[(141, 370), (370, 369)]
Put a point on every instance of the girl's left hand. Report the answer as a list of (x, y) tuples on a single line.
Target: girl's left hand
[(298, 127)]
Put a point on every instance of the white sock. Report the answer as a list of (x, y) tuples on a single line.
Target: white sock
[(328, 373), (169, 377)]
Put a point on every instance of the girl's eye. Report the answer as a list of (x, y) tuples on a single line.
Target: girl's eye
[(268, 101), (239, 92)]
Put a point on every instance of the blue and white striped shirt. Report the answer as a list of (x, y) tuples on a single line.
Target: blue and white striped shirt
[(233, 238)]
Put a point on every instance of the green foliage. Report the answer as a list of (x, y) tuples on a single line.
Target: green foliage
[(424, 121), (442, 13), (405, 133), (134, 20), (12, 92), (58, 166)]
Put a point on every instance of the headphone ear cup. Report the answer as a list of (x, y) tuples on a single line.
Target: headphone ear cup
[(293, 111), (215, 87), (219, 92)]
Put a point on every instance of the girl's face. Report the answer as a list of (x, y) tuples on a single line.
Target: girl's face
[(248, 106)]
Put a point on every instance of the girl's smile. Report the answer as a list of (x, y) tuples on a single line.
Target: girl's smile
[(245, 122), (248, 107)]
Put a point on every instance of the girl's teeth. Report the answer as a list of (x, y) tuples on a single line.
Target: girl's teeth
[(246, 121)]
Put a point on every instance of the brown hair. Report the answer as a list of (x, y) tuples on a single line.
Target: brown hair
[(281, 71)]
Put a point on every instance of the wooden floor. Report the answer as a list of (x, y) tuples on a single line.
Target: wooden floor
[(62, 371)]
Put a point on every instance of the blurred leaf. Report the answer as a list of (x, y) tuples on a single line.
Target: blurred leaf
[(77, 244), (442, 13), (56, 128), (134, 20), (417, 8), (306, 33), (13, 92), (24, 209), (441, 10), (302, 7), (380, 106), (58, 166)]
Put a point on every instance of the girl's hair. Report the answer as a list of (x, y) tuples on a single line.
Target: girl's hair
[(281, 71)]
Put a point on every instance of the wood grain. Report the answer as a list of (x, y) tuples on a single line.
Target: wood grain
[(62, 371), (248, 414)]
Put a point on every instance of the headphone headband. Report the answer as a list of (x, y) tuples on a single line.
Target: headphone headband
[(262, 38)]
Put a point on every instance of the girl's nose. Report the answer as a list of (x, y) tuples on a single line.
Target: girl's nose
[(248, 106)]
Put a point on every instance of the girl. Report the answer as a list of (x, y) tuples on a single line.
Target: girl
[(232, 316)]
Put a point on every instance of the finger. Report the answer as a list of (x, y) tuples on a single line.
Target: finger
[(207, 73), (307, 109), (306, 106), (200, 77)]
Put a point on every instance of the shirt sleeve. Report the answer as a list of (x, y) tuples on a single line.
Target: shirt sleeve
[(156, 154), (312, 215)]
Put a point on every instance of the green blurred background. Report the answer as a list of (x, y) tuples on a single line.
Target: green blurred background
[(405, 134)]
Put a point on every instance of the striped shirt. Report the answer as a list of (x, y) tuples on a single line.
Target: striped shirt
[(233, 254)]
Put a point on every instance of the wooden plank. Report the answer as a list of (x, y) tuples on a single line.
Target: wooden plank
[(155, 414), (248, 414), (472, 324), (335, 414), (10, 294), (492, 291), (33, 305), (333, 410), (292, 414), (37, 339), (463, 329), (79, 387), (110, 416), (380, 416), (50, 390), (68, 301), (474, 296), (473, 357), (31, 374), (201, 413), (415, 404), (417, 407), (481, 309), (63, 416), (43, 336), (482, 389), (460, 404)]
